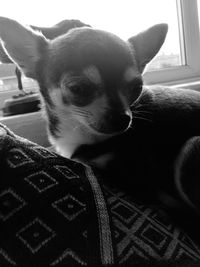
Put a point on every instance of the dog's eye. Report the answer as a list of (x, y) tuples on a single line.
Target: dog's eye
[(80, 90), (82, 94)]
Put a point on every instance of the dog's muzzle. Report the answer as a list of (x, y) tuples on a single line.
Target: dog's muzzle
[(116, 123)]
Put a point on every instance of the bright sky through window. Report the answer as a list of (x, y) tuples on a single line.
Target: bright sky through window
[(124, 18)]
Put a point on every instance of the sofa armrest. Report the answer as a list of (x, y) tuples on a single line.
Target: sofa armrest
[(31, 126)]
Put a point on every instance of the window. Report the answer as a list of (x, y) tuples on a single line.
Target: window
[(199, 10), (189, 41), (178, 59), (170, 54)]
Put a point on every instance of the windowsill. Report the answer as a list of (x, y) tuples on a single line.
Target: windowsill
[(193, 84)]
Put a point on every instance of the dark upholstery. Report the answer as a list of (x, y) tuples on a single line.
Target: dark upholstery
[(55, 212)]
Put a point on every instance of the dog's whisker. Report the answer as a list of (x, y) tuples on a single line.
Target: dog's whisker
[(79, 111), (82, 114), (142, 118), (75, 128), (139, 105), (142, 112)]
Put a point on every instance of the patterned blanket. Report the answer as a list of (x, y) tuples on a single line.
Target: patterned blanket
[(55, 212)]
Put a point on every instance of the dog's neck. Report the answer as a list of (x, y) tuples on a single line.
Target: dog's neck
[(70, 138), (72, 135)]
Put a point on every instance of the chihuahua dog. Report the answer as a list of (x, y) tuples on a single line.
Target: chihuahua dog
[(88, 78), (98, 110)]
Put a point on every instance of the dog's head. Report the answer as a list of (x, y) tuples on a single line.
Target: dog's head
[(88, 78)]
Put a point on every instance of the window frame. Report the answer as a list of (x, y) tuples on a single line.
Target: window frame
[(189, 33)]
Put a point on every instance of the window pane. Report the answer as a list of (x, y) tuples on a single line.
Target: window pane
[(198, 3), (170, 54)]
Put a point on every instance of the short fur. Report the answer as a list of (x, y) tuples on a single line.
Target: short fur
[(98, 110)]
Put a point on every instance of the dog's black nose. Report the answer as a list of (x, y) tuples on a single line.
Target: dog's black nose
[(122, 122), (116, 123)]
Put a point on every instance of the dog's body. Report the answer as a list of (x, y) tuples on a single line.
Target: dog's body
[(143, 159), (97, 110)]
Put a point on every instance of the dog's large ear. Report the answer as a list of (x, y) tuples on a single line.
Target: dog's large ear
[(147, 44), (21, 44)]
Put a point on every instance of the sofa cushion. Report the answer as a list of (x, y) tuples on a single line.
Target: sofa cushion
[(55, 212)]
